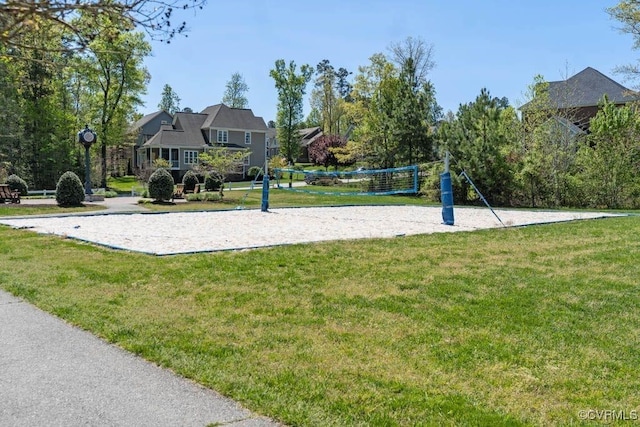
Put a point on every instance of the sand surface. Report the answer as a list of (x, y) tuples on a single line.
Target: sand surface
[(186, 232)]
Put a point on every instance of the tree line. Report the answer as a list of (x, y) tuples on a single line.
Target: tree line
[(63, 66), (51, 92), (537, 157)]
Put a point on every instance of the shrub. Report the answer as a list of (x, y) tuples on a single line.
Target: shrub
[(106, 193), (18, 184), (254, 172), (211, 183), (161, 185), (204, 197), (69, 190), (190, 180)]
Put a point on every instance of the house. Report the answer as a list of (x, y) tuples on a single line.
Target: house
[(307, 137), (144, 129), (189, 134), (576, 100), (273, 147)]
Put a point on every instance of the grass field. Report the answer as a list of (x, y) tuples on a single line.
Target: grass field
[(525, 326), (124, 184), (26, 209)]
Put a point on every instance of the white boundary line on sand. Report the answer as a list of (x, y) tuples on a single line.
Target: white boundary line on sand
[(189, 232)]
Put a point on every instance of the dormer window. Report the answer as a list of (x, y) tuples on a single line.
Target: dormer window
[(223, 136)]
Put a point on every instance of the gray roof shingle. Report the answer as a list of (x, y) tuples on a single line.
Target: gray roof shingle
[(587, 88), (189, 130), (146, 119), (184, 132), (222, 117), (309, 135)]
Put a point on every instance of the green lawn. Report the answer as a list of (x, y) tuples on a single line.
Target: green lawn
[(124, 184), (24, 208), (523, 326)]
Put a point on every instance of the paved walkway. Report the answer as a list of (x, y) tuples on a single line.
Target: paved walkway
[(112, 204), (54, 374)]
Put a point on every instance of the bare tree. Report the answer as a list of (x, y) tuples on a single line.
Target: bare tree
[(156, 17), (418, 52), (234, 95)]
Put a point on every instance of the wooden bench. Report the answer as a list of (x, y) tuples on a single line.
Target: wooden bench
[(179, 192), (196, 190), (8, 195)]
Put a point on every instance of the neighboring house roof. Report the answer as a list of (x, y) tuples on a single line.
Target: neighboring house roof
[(190, 130), (272, 136), (146, 119), (222, 117), (183, 132), (586, 89), (309, 135)]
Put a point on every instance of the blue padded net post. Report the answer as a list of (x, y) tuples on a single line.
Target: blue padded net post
[(265, 193), (446, 191)]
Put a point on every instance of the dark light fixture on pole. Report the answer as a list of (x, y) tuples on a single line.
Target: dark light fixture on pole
[(87, 137)]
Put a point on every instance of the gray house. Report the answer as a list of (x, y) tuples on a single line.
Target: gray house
[(144, 129), (189, 134), (307, 137), (576, 100)]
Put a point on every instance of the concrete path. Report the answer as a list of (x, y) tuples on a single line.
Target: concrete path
[(112, 205), (54, 374)]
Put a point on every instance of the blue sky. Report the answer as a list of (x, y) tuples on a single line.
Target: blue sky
[(497, 44)]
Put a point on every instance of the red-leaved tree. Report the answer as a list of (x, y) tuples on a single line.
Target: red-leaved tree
[(320, 150)]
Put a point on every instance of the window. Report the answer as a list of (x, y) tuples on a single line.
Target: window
[(190, 157), (223, 136), (246, 164), (247, 138)]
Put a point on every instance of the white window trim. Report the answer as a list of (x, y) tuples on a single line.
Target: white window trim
[(222, 136), (247, 141), (190, 157)]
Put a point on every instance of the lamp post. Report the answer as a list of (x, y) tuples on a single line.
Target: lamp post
[(87, 137)]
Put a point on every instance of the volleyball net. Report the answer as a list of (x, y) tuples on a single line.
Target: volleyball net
[(365, 182)]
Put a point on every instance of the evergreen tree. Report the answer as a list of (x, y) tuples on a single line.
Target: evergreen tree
[(550, 144), (48, 134), (11, 160), (415, 114), (478, 141), (170, 101), (609, 158)]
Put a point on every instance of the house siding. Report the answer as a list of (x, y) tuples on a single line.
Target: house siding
[(236, 137), (146, 132), (257, 148), (196, 131)]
